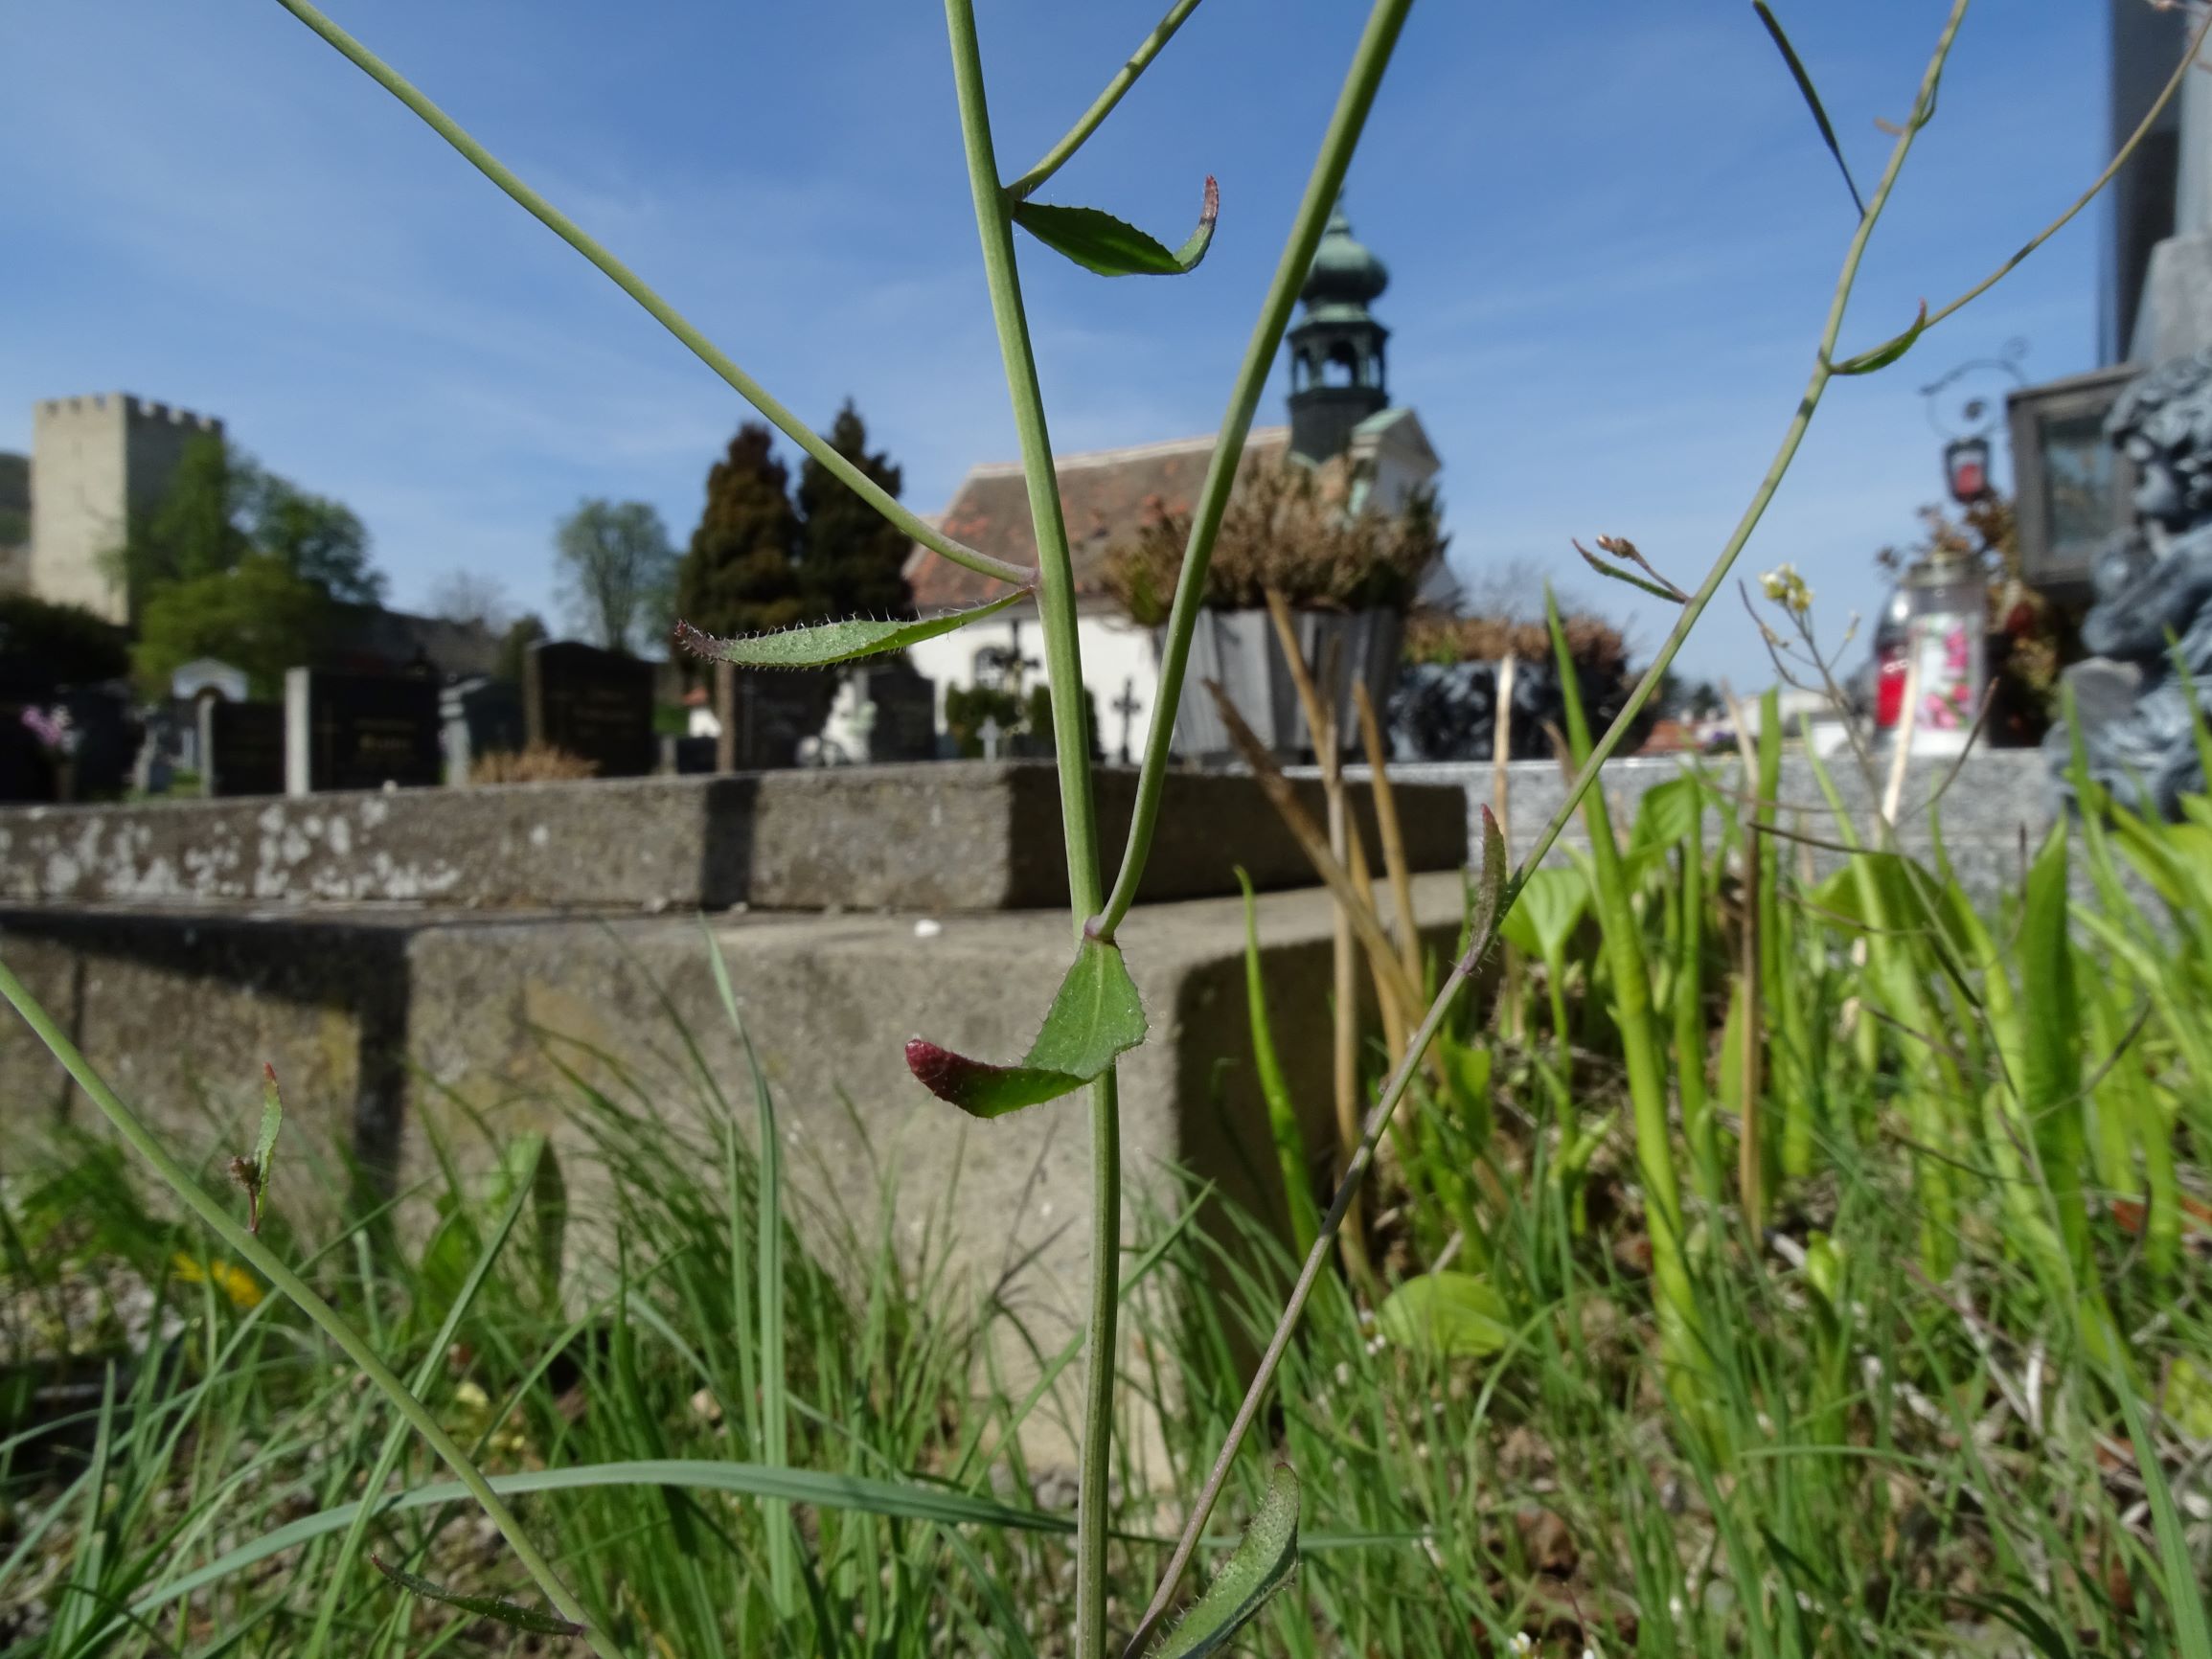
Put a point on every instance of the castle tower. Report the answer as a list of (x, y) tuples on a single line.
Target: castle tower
[(1337, 369), (94, 462)]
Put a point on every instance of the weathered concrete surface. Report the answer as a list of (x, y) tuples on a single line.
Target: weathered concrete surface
[(1998, 800), (385, 1027), (941, 837)]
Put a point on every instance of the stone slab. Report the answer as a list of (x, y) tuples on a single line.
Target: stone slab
[(944, 836), (386, 1027), (1989, 805)]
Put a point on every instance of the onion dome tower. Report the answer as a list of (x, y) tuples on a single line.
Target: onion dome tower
[(1336, 368)]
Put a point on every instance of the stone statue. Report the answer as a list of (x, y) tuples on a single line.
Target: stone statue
[(2137, 730)]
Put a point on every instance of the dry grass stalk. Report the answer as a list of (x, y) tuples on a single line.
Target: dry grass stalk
[(1387, 827)]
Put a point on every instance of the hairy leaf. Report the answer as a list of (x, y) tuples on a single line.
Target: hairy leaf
[(1489, 885), (837, 642), (493, 1607), (1095, 1016), (1450, 1315), (1261, 1564), (1099, 242), (272, 1119)]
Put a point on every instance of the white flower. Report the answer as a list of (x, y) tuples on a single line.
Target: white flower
[(1520, 1646), (1788, 589)]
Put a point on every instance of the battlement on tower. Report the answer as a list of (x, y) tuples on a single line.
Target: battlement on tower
[(132, 408)]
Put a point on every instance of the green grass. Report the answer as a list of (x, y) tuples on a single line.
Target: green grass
[(737, 1434)]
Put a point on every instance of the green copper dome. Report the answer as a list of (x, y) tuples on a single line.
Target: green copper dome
[(1345, 272)]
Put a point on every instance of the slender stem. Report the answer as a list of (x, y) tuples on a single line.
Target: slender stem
[(662, 312), (1078, 135), (293, 1288), (1378, 1119), (2119, 160), (1360, 82), (1071, 743)]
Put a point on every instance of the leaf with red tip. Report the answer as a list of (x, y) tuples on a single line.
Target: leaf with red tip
[(1095, 1016), (1099, 242)]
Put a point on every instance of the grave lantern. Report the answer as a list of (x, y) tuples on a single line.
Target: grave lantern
[(1966, 469)]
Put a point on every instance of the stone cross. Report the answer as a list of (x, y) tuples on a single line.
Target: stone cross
[(1126, 706), (989, 732)]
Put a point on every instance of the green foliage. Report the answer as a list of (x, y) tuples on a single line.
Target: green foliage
[(1292, 1157), (852, 559), (14, 499), (64, 644), (1447, 1315), (741, 574), (222, 507), (968, 707), (1095, 1016), (617, 573), (257, 616)]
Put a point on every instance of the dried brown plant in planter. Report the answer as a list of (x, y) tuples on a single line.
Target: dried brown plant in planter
[(1286, 529), (538, 764), (1597, 647)]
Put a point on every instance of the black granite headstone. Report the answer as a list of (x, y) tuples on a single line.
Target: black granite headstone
[(241, 747), (593, 704), (361, 730), (905, 703)]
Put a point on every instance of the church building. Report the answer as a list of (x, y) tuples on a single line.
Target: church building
[(1340, 416)]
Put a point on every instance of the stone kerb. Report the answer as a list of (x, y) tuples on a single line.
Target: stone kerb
[(1995, 799), (927, 837)]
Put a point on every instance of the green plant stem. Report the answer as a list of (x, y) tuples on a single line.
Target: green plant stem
[(1071, 743), (1078, 135), (1369, 59), (1378, 1119), (2096, 185), (296, 1290), (661, 311)]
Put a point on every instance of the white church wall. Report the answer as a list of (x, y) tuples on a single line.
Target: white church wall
[(1117, 659)]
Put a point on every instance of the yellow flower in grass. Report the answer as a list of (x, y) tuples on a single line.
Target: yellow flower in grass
[(227, 1277)]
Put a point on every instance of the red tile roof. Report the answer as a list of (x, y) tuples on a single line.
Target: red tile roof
[(1105, 495)]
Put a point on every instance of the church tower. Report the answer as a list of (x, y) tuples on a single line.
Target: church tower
[(1337, 374)]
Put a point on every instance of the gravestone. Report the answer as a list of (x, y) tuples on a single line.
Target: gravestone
[(594, 704), (241, 747), (905, 704), (359, 731), (480, 717), (105, 740)]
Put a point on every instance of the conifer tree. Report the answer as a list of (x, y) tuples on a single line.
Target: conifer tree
[(851, 560), (742, 576)]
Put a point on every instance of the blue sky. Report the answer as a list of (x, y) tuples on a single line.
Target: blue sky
[(1612, 227)]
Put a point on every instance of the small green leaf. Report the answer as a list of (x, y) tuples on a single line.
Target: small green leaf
[(1095, 1016), (272, 1119), (1812, 99), (837, 642), (1547, 911), (1448, 1315), (1261, 1564), (492, 1608), (1099, 242), (1667, 814), (1885, 354)]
